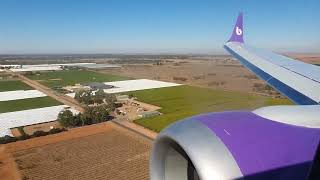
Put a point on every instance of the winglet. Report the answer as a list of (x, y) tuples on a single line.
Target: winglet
[(237, 34)]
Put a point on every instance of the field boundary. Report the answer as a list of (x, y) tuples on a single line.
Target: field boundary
[(79, 132), (59, 97), (73, 133), (142, 131)]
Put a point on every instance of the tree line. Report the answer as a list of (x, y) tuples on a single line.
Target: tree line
[(89, 97)]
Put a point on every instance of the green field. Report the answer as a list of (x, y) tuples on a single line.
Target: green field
[(24, 104), (71, 77), (13, 85), (184, 101)]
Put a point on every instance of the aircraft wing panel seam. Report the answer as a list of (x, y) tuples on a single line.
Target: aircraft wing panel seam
[(300, 83), (300, 74), (284, 89)]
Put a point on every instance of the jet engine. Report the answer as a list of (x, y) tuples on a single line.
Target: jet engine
[(277, 142)]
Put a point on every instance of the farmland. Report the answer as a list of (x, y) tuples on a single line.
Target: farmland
[(113, 154), (71, 77), (184, 101), (13, 85), (24, 104)]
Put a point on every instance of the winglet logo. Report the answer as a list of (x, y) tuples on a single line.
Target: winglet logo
[(238, 31)]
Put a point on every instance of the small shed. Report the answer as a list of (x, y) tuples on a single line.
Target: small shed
[(122, 98), (148, 114)]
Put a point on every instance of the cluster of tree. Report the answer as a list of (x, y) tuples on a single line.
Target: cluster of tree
[(180, 78), (216, 83), (24, 136), (88, 97), (92, 115)]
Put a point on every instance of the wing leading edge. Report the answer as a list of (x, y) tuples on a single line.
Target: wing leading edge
[(296, 80)]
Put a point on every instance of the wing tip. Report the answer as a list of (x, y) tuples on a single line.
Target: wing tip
[(237, 33)]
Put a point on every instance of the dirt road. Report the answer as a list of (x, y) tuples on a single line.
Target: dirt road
[(8, 167), (55, 95)]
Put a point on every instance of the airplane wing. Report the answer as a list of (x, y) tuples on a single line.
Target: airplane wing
[(296, 80), (275, 142)]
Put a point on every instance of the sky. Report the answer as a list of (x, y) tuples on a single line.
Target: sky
[(155, 26)]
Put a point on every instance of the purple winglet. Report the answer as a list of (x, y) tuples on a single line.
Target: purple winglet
[(237, 34)]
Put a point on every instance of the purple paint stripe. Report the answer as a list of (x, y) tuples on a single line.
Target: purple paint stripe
[(259, 144)]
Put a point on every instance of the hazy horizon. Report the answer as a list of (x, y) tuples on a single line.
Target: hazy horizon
[(163, 27)]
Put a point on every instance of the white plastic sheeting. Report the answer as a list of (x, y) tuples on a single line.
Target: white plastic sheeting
[(20, 94), (29, 117), (55, 67), (138, 84), (44, 67), (37, 68), (133, 85), (100, 66)]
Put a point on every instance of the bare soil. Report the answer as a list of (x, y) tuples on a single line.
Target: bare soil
[(8, 168), (308, 58), (41, 127), (133, 108), (63, 136), (219, 73), (104, 151)]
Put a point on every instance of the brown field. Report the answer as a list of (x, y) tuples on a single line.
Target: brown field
[(103, 151), (218, 74), (37, 127), (41, 127), (308, 58), (8, 167)]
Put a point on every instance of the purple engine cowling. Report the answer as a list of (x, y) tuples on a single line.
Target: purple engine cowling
[(260, 145), (253, 147)]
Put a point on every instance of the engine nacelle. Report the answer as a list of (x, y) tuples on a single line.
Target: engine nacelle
[(236, 145)]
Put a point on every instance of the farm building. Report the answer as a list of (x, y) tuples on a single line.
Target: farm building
[(122, 98), (148, 114), (97, 85), (76, 88)]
